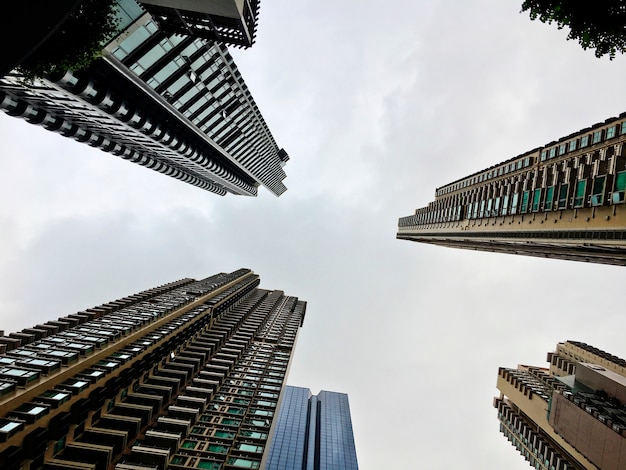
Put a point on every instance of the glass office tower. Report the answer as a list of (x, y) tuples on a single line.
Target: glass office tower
[(563, 200), (186, 375), (312, 432), (172, 102)]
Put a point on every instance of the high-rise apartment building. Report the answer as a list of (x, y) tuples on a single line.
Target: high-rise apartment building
[(227, 21), (563, 200), (571, 415), (186, 375), (312, 432), (172, 102)]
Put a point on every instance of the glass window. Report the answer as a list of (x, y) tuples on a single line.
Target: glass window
[(597, 191), (254, 435), (572, 146), (549, 198), (536, 199), (553, 152), (584, 141), (189, 444), (243, 463), (544, 155), (208, 465), (562, 149), (623, 131), (525, 197), (579, 198), (563, 191), (620, 181), (250, 448), (598, 185), (218, 449), (597, 137), (514, 202), (610, 132)]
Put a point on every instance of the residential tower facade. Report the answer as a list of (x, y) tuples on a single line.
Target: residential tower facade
[(172, 102), (563, 200), (185, 375), (571, 415)]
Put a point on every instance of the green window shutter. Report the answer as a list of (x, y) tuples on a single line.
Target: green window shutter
[(549, 198), (620, 181), (525, 195), (579, 198), (536, 199)]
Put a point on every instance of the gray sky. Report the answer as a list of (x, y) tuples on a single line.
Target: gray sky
[(377, 104)]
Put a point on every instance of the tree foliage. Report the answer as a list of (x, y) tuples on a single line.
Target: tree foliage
[(599, 25), (76, 41)]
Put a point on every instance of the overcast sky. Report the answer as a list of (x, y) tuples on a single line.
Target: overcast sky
[(377, 103)]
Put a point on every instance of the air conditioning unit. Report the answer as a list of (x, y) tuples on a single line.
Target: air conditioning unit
[(618, 197)]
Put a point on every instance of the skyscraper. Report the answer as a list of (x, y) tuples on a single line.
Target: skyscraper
[(563, 200), (185, 375), (227, 21), (312, 432), (172, 102), (570, 416)]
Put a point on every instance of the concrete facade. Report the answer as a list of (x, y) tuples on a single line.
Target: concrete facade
[(564, 200), (186, 375), (571, 416)]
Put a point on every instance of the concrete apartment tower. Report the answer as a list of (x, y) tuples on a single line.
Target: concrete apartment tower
[(185, 375), (563, 200), (165, 98), (571, 415), (312, 432)]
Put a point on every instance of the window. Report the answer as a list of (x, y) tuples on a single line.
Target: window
[(250, 448), (610, 132), (563, 191), (597, 137), (536, 199), (620, 188), (243, 463), (218, 449), (189, 444), (552, 152), (58, 446), (572, 146), (525, 196), (597, 191), (549, 198), (208, 464), (584, 141), (562, 149), (544, 155), (623, 130), (254, 435), (514, 201), (579, 197), (620, 181)]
